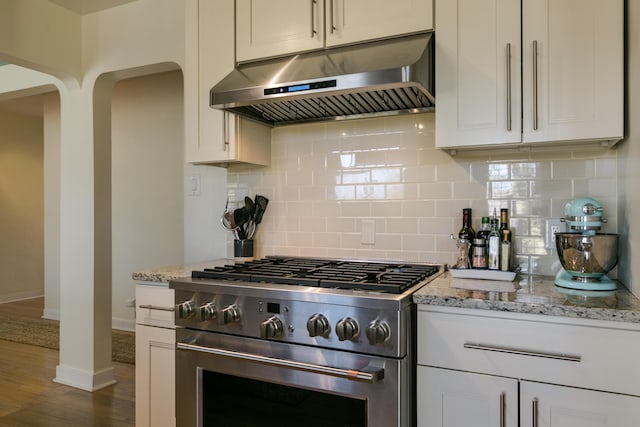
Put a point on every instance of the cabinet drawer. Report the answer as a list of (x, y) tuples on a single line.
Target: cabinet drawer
[(597, 355), (155, 306)]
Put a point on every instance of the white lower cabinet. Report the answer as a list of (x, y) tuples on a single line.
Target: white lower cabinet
[(546, 405), (506, 370), (449, 398), (457, 399), (155, 357)]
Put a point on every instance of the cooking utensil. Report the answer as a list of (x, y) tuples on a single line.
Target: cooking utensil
[(241, 216), (250, 205), (228, 221), (261, 203), (250, 229)]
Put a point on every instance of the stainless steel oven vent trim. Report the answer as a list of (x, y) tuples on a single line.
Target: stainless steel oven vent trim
[(379, 78)]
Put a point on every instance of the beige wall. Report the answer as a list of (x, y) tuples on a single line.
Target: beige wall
[(21, 206), (146, 182)]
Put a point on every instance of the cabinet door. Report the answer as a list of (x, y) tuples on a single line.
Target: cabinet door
[(478, 73), (572, 69), (448, 398), (277, 27), (557, 406), (350, 21), (155, 376), (218, 137)]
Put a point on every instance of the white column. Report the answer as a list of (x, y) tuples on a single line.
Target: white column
[(85, 308)]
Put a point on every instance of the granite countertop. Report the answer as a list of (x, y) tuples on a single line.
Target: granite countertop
[(530, 295), (164, 274)]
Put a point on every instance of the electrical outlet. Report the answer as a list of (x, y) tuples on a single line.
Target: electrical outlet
[(553, 226), (368, 232), (131, 302)]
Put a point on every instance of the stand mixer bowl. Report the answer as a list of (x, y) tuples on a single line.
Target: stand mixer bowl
[(587, 257)]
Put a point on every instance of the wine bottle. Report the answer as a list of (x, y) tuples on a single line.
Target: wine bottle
[(466, 232), (504, 223), (494, 246), (505, 251), (505, 234)]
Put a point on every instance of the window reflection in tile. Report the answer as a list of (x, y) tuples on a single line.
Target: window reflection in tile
[(498, 171), (375, 192)]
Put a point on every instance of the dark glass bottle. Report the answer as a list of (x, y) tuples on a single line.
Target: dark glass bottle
[(504, 224), (483, 233), (466, 232), (506, 252)]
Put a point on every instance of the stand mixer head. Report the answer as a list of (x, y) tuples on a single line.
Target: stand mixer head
[(586, 256)]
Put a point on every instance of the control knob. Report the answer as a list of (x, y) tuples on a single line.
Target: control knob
[(318, 326), (208, 311), (230, 314), (271, 328), (347, 329), (185, 309), (378, 332)]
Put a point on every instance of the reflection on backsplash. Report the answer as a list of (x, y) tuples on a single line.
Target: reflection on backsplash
[(325, 179)]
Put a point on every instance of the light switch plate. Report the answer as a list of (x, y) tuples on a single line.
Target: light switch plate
[(193, 184)]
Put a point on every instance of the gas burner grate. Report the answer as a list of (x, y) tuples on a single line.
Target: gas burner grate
[(355, 275)]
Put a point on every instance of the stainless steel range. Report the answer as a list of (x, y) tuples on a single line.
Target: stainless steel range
[(290, 341)]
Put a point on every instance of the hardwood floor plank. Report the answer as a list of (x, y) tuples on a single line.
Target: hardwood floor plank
[(29, 397)]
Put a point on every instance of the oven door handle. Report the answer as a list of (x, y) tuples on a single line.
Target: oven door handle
[(350, 374)]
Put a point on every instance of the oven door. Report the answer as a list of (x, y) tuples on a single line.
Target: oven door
[(229, 380)]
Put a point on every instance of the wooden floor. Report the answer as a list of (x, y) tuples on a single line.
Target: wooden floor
[(29, 397)]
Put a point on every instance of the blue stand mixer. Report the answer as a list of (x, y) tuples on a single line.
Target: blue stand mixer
[(586, 255)]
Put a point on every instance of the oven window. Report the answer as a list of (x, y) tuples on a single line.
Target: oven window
[(242, 402)]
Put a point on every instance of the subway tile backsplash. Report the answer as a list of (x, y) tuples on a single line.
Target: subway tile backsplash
[(325, 179)]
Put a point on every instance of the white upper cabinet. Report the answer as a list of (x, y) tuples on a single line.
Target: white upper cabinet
[(564, 83), (279, 27), (580, 59), (478, 96), (211, 136)]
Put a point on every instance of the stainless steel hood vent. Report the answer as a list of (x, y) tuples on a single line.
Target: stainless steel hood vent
[(372, 79)]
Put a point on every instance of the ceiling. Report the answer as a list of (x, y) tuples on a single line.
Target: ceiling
[(84, 7)]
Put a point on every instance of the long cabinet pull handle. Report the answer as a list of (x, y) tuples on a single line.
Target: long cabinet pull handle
[(313, 18), (509, 87), (559, 356), (225, 131), (503, 398), (332, 24), (534, 410), (375, 375), (156, 307), (535, 85)]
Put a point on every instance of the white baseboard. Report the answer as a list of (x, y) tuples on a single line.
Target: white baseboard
[(51, 313), (123, 324), (19, 296), (84, 380)]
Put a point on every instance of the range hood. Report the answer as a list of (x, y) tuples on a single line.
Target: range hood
[(372, 79)]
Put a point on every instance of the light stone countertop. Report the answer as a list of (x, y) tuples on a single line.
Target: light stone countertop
[(527, 294), (162, 275), (530, 295)]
